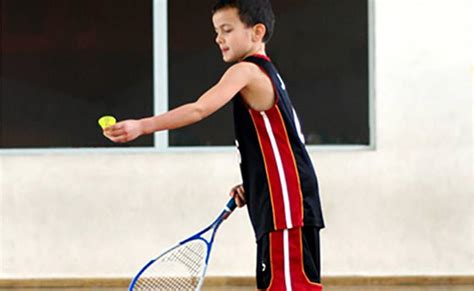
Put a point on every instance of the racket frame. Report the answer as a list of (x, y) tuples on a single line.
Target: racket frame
[(231, 205)]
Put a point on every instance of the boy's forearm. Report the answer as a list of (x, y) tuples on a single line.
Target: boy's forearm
[(181, 116), (230, 84)]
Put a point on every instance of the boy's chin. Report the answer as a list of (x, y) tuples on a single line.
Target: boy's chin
[(229, 60)]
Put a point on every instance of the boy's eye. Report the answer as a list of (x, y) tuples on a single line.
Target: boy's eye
[(227, 30)]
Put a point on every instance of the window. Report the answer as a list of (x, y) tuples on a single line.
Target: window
[(321, 49), (66, 63)]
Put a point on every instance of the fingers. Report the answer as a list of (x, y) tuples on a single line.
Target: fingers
[(238, 192), (119, 133), (115, 130), (240, 203), (118, 139), (234, 191), (241, 193)]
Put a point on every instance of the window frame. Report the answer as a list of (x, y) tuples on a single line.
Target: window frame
[(161, 97)]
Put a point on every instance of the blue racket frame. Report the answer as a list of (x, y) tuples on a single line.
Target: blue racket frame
[(231, 205)]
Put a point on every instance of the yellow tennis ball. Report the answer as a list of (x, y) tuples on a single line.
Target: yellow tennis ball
[(106, 121)]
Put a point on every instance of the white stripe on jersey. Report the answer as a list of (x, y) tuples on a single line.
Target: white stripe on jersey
[(281, 172), (298, 127), (281, 82)]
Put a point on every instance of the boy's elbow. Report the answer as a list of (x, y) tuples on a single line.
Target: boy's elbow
[(199, 112)]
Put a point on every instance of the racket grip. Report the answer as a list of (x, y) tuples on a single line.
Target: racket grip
[(231, 205)]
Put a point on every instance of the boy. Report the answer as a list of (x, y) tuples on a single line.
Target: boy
[(279, 183)]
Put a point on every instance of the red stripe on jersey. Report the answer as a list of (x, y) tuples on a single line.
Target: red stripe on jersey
[(291, 170), (291, 176), (262, 57), (273, 178), (281, 149)]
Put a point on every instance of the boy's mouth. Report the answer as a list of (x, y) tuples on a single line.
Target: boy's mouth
[(224, 49)]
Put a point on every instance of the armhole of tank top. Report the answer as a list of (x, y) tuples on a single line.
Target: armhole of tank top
[(275, 91)]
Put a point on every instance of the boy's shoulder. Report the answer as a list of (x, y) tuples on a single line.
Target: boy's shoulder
[(244, 69)]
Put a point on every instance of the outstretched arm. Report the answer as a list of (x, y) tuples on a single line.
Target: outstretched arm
[(233, 80)]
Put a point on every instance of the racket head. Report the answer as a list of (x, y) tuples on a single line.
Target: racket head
[(183, 266), (180, 268)]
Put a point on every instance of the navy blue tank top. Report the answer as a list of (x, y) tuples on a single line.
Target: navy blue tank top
[(278, 176)]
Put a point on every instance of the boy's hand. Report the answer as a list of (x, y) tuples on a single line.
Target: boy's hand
[(124, 131), (238, 193)]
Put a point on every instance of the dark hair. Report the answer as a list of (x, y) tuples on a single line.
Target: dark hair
[(251, 12)]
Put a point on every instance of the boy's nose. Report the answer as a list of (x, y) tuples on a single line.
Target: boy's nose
[(219, 40)]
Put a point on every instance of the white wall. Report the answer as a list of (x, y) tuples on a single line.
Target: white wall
[(405, 208)]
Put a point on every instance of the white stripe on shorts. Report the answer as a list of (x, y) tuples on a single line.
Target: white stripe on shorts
[(286, 256)]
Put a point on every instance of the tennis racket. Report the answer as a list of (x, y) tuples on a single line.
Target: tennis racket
[(183, 266)]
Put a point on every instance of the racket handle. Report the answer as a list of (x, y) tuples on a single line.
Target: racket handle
[(231, 205)]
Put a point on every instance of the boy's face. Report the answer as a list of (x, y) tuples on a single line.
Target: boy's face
[(235, 39)]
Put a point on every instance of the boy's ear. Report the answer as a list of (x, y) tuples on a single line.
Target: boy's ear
[(259, 31)]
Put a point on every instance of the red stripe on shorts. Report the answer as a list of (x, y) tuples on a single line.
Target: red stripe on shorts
[(293, 249)]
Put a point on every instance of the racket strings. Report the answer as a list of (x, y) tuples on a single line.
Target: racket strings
[(180, 269)]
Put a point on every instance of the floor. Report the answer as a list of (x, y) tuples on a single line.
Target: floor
[(326, 288)]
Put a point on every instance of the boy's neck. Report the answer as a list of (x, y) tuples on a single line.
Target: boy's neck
[(258, 52)]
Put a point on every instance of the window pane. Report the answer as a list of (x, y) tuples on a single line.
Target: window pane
[(66, 63), (195, 64), (320, 48)]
